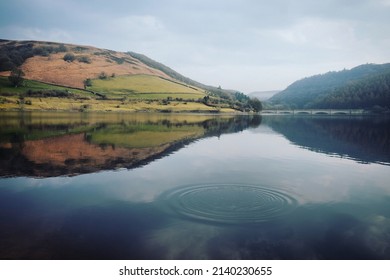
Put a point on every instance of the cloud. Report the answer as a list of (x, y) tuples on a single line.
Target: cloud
[(35, 33), (145, 23), (385, 3), (134, 32), (216, 42), (320, 33)]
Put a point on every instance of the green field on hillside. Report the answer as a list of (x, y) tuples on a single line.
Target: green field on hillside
[(145, 87), (37, 96), (6, 87)]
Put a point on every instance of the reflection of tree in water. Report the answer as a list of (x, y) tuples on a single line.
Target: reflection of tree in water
[(53, 149), (364, 139), (217, 127)]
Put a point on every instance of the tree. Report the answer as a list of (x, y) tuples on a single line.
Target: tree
[(241, 97), (255, 104), (87, 83), (16, 77)]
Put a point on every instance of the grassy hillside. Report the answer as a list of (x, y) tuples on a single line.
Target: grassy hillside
[(216, 91), (66, 64), (362, 87), (6, 87), (38, 96), (144, 86), (92, 79)]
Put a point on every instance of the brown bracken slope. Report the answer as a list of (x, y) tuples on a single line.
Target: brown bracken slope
[(47, 63)]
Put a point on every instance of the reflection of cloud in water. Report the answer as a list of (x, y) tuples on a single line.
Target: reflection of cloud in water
[(335, 180), (377, 235), (184, 240)]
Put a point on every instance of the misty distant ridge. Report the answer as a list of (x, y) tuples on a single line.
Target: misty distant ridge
[(366, 86), (263, 95)]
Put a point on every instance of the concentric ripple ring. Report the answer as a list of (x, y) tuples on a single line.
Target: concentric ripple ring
[(228, 203)]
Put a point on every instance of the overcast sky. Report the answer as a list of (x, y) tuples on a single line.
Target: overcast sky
[(247, 45)]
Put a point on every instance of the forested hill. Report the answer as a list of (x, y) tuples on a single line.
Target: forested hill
[(363, 87)]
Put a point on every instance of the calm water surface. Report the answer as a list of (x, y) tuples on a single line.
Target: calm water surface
[(117, 186)]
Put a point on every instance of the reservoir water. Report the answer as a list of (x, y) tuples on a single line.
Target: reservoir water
[(171, 186)]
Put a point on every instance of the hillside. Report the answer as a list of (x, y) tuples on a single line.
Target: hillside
[(44, 61), (125, 81), (177, 76), (363, 87)]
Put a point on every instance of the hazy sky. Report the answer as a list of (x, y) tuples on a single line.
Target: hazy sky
[(246, 45)]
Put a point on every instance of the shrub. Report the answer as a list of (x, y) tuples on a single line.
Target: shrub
[(61, 48), (43, 50), (87, 83), (118, 60), (69, 57), (84, 107), (80, 49), (102, 76), (84, 59)]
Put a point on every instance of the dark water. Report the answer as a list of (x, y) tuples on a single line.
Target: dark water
[(116, 186)]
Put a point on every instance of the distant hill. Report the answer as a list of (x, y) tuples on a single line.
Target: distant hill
[(363, 87), (263, 95)]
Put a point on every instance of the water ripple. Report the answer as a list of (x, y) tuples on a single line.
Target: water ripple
[(228, 203)]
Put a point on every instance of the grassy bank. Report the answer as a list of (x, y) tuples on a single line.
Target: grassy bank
[(139, 93)]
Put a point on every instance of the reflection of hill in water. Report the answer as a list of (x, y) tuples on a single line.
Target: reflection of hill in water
[(46, 147), (366, 140)]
